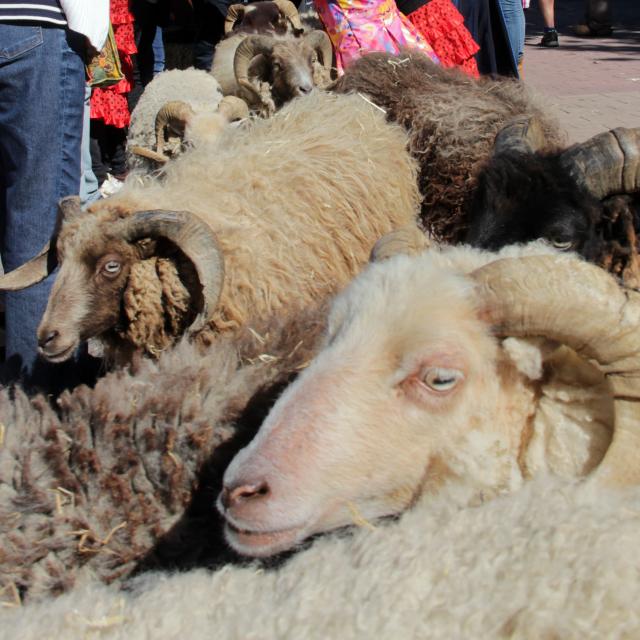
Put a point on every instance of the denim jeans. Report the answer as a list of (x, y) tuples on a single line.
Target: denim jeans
[(513, 15), (42, 82)]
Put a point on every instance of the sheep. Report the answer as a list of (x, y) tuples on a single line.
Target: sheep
[(580, 199), (413, 391), (267, 67), (124, 474), (266, 16), (188, 105), (452, 121), (271, 224)]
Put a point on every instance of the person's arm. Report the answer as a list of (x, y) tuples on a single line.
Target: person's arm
[(91, 19)]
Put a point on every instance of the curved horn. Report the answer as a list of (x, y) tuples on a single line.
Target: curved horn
[(608, 163), (233, 108), (582, 306), (409, 240), (43, 264), (234, 13), (320, 41), (150, 154), (524, 135), (247, 50), (196, 240), (175, 114), (290, 12)]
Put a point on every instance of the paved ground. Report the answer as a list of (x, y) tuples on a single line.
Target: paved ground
[(592, 84)]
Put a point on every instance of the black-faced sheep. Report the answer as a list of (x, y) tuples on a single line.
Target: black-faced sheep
[(267, 68), (452, 121), (413, 391), (259, 221), (564, 198)]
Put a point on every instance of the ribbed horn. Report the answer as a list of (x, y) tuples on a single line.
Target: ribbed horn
[(320, 41), (524, 134), (247, 50), (607, 164), (175, 114), (149, 154), (290, 12), (234, 13), (195, 239), (582, 306), (233, 108), (43, 264)]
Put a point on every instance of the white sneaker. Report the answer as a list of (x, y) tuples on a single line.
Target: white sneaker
[(110, 186)]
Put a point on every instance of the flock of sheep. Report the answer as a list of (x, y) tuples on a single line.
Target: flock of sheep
[(299, 238)]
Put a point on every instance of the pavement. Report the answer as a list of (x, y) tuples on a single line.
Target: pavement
[(590, 84)]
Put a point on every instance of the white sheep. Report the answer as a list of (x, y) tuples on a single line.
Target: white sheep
[(187, 101), (413, 390)]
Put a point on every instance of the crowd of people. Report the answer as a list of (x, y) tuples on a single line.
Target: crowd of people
[(63, 133)]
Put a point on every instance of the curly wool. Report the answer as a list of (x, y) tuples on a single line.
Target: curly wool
[(452, 121), (124, 475), (555, 560), (156, 305)]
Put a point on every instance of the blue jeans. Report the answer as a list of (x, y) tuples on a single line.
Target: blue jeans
[(42, 81), (513, 15)]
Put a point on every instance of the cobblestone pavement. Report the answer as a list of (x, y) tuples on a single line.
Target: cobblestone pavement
[(591, 84)]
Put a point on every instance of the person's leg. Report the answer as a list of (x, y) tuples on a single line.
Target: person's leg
[(210, 29), (550, 36), (158, 52), (88, 181), (513, 15), (42, 82), (598, 19)]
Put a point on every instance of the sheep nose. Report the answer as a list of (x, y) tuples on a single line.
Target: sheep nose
[(47, 338), (235, 496), (305, 89)]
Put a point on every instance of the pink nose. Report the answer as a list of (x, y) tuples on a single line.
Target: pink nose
[(235, 496)]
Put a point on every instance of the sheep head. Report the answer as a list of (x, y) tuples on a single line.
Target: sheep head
[(100, 258), (177, 125), (524, 194), (279, 16), (289, 67), (413, 390)]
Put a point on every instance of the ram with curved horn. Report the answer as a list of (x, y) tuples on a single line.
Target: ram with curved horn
[(146, 266), (277, 16), (453, 366), (580, 199), (266, 68), (177, 110)]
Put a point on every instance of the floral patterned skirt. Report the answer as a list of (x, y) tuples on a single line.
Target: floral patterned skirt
[(359, 26)]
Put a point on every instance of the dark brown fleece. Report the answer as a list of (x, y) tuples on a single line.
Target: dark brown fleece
[(452, 121), (125, 475)]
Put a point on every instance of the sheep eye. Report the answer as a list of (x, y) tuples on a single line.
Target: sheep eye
[(440, 379), (111, 268), (563, 245)]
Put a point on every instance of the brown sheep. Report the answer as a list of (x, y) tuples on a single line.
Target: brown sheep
[(261, 221), (452, 121)]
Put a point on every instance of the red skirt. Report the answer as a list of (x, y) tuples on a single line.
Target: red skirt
[(110, 104), (443, 27)]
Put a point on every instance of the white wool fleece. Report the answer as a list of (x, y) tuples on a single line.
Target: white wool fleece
[(555, 560)]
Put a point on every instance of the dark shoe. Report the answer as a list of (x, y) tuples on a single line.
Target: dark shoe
[(549, 39), (585, 31)]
